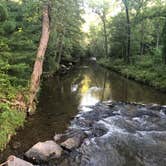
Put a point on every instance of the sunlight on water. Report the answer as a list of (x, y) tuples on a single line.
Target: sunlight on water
[(90, 94), (91, 97)]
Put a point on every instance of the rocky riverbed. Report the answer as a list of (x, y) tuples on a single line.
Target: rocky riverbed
[(107, 134)]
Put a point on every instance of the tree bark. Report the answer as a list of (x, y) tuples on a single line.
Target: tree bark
[(142, 39), (105, 36), (128, 31), (38, 66), (157, 35)]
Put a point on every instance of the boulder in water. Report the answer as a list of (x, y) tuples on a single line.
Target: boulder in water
[(71, 143), (44, 151)]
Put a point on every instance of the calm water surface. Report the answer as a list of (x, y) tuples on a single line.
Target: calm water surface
[(61, 96)]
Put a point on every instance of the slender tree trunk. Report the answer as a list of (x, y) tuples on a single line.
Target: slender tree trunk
[(60, 48), (104, 86), (38, 66), (164, 43), (128, 31), (105, 37), (157, 35), (142, 39)]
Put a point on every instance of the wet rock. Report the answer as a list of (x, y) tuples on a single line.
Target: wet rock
[(14, 161), (75, 141), (71, 143), (44, 151), (70, 64), (57, 137)]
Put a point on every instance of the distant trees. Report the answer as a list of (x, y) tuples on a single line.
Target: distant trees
[(126, 4), (66, 34), (135, 31), (164, 43), (3, 13), (101, 8)]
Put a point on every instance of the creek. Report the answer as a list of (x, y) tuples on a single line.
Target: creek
[(62, 96)]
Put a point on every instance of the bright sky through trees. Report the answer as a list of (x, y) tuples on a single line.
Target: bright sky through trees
[(91, 18)]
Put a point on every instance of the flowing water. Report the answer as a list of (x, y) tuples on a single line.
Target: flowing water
[(61, 97)]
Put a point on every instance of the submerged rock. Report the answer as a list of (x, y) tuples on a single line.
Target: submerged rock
[(57, 137), (44, 151)]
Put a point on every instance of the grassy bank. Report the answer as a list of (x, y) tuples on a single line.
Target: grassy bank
[(12, 113), (13, 92), (144, 71), (10, 120)]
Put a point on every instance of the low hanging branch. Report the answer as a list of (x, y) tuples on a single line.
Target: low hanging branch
[(38, 66)]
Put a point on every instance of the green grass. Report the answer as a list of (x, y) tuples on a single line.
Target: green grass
[(144, 70), (10, 120), (13, 82)]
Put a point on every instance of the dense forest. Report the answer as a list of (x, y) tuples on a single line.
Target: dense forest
[(127, 36)]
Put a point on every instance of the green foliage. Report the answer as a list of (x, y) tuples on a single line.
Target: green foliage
[(146, 71), (20, 34), (10, 120), (3, 13), (9, 27), (148, 42), (66, 36), (164, 42)]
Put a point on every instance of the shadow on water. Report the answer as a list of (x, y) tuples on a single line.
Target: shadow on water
[(62, 95)]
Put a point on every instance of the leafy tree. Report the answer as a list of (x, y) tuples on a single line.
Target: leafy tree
[(164, 43), (3, 13), (101, 8)]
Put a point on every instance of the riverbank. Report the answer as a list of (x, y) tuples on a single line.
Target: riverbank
[(10, 120), (12, 106), (13, 99), (143, 72), (115, 133), (12, 111)]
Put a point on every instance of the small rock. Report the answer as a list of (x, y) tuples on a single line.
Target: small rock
[(43, 151), (63, 66), (57, 137), (14, 161), (71, 143), (71, 64)]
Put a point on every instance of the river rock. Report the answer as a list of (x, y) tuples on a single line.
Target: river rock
[(57, 137), (14, 161), (71, 143), (44, 151)]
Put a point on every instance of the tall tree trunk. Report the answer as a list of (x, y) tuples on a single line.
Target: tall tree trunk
[(142, 39), (164, 43), (157, 35), (60, 47), (128, 31), (105, 37), (38, 66)]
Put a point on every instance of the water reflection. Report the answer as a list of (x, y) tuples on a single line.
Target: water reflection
[(89, 94), (91, 90)]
